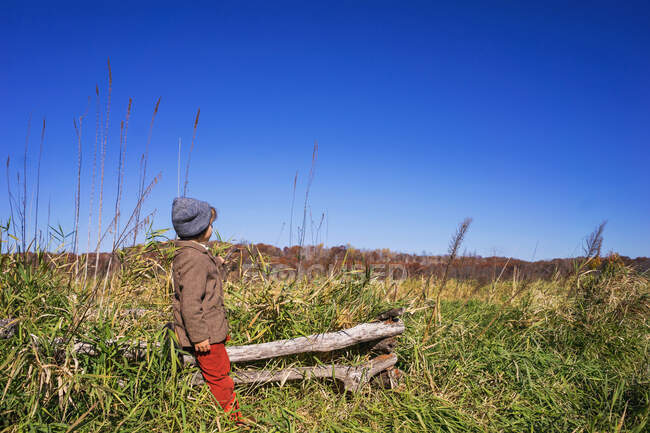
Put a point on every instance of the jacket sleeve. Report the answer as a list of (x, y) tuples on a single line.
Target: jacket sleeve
[(194, 276)]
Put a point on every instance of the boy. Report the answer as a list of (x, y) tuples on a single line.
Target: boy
[(200, 318)]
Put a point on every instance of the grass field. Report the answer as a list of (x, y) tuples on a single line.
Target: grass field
[(544, 356)]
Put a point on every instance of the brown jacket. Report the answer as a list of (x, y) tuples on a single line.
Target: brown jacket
[(199, 312)]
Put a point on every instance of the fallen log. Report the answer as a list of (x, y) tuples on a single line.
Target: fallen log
[(353, 377), (325, 342)]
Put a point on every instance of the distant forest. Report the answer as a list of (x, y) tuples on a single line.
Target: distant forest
[(318, 260)]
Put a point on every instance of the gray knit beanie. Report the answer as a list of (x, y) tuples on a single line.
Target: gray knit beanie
[(190, 216)]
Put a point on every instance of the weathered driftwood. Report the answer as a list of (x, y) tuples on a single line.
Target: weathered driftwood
[(353, 377), (326, 342)]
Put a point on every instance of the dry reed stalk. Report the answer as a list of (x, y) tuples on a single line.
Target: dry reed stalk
[(77, 198), (24, 214), (124, 127), (327, 226), (496, 281), (458, 279), (594, 241), (102, 158), (178, 170), (310, 179), (141, 199), (454, 245), (143, 166), (92, 182), (18, 207), (11, 197), (189, 156), (123, 235), (515, 272), (38, 180), (78, 192), (293, 200), (591, 249), (311, 225), (320, 226), (47, 236), (115, 222)]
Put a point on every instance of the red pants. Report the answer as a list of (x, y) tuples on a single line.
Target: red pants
[(215, 366)]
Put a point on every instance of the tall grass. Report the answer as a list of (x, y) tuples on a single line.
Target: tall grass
[(502, 359)]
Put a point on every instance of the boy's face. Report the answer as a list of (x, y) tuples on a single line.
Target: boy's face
[(208, 232)]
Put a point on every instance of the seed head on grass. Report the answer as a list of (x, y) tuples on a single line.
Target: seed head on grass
[(454, 246), (592, 247)]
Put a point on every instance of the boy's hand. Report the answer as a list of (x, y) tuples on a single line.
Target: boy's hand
[(203, 346)]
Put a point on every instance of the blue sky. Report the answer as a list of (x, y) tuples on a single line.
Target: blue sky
[(534, 119)]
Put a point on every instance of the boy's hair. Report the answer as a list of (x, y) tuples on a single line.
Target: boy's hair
[(213, 218)]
